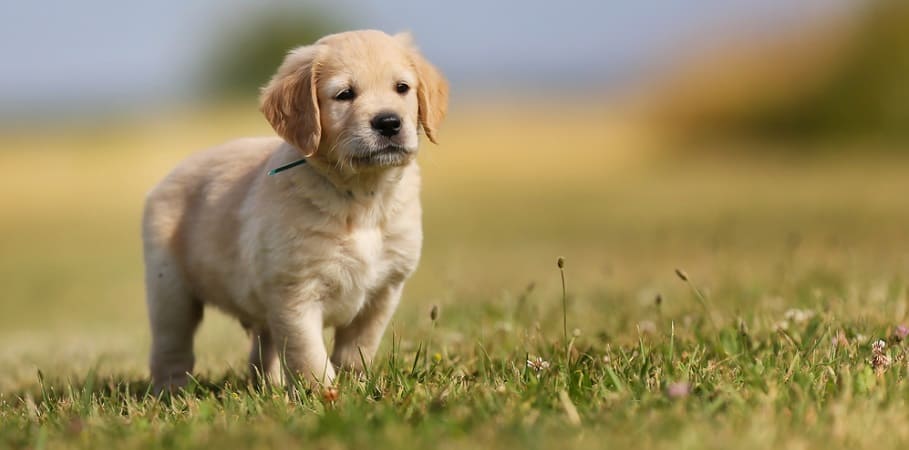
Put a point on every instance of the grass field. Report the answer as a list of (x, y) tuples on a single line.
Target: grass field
[(794, 269)]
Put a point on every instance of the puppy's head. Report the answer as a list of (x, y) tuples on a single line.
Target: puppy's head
[(356, 99)]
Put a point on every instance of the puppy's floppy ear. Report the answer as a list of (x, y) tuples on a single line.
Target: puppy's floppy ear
[(432, 89), (290, 103)]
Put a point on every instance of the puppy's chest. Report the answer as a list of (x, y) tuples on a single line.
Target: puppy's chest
[(360, 256), (353, 265), (357, 265)]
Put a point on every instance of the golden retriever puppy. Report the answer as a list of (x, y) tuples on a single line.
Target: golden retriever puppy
[(326, 243)]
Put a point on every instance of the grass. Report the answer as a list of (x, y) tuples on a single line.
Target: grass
[(788, 272), (747, 384)]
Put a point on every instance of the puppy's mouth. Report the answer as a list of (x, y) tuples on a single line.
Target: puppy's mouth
[(390, 155)]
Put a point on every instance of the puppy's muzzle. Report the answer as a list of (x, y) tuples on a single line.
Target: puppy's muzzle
[(386, 123)]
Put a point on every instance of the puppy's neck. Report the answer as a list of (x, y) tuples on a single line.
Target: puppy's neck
[(356, 183), (336, 191)]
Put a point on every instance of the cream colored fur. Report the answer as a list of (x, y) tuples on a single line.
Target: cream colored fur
[(326, 244)]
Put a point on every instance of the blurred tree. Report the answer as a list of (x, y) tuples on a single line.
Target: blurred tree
[(827, 81), (866, 96), (246, 57)]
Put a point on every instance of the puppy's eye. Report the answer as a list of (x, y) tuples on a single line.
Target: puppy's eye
[(345, 95), (402, 88)]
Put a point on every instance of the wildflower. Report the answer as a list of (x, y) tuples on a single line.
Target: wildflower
[(901, 332), (331, 394), (679, 389), (880, 361), (840, 339), (560, 262), (437, 357), (798, 315), (878, 346), (647, 327), (74, 426), (538, 365), (434, 313)]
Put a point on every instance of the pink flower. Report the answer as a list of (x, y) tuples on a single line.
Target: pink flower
[(679, 389), (901, 332)]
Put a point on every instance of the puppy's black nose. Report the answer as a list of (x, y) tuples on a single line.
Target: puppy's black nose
[(387, 124)]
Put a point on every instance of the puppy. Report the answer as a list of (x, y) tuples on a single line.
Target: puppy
[(327, 243)]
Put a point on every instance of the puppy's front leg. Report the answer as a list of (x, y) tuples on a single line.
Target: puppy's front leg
[(364, 333), (263, 358), (297, 334)]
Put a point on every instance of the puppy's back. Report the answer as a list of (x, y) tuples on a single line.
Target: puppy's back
[(204, 192)]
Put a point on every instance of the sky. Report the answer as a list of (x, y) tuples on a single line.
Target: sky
[(69, 54)]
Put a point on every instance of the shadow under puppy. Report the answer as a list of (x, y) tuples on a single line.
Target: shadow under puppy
[(328, 243)]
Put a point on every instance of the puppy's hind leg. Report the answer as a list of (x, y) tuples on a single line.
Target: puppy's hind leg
[(174, 316)]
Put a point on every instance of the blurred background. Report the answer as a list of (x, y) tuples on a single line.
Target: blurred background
[(760, 146)]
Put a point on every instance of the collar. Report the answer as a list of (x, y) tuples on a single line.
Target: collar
[(280, 169)]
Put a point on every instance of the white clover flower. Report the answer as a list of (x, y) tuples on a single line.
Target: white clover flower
[(538, 364), (798, 315), (880, 360), (878, 346)]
